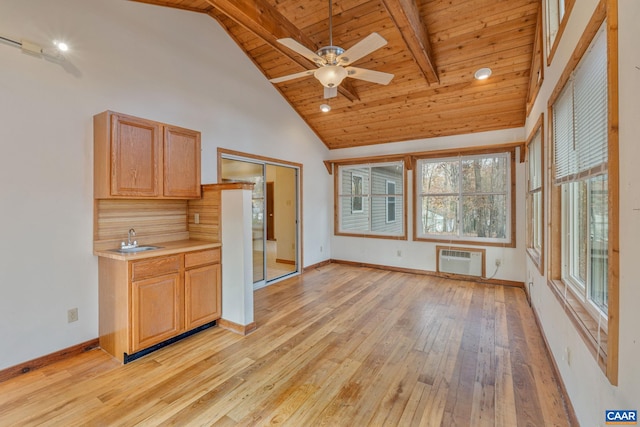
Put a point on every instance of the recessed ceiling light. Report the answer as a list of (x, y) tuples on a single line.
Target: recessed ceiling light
[(325, 108), (62, 46), (482, 73)]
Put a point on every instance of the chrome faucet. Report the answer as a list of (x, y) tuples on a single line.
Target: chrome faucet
[(129, 244)]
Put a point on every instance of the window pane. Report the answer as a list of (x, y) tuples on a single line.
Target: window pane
[(439, 215), (578, 232), (370, 199), (381, 222), (440, 177), (484, 175), (599, 229), (485, 216), (354, 220), (354, 181), (381, 175), (537, 221)]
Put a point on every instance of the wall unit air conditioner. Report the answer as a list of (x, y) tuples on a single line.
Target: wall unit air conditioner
[(460, 261)]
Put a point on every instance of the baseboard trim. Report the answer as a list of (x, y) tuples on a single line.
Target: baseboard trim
[(48, 359), (236, 327), (317, 265), (573, 420), (432, 273), (285, 261)]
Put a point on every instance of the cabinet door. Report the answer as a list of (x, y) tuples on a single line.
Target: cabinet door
[(135, 156), (181, 162), (156, 313), (202, 295)]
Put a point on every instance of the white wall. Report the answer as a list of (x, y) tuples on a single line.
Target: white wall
[(588, 388), (422, 255), (164, 64)]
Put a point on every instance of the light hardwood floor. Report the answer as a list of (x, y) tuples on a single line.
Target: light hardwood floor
[(338, 346)]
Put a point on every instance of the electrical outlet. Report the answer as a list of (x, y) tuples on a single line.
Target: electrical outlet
[(498, 262), (399, 253), (196, 218), (320, 248), (72, 315)]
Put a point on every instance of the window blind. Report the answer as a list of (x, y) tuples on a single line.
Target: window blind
[(580, 117)]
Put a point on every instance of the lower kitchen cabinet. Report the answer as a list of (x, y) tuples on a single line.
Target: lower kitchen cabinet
[(146, 302), (202, 301), (155, 310)]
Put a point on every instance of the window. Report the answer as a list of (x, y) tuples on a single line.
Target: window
[(537, 70), (466, 198), (557, 13), (584, 231), (584, 246), (391, 201), (535, 195), (580, 137), (370, 199)]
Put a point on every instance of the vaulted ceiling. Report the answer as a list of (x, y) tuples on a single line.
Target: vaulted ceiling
[(434, 48)]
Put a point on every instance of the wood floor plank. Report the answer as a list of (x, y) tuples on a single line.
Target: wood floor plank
[(338, 346), (483, 404)]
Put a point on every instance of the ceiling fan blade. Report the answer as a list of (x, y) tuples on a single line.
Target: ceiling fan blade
[(292, 76), (369, 75), (302, 50), (364, 47)]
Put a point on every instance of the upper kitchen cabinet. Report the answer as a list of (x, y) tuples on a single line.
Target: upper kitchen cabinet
[(139, 158), (181, 163)]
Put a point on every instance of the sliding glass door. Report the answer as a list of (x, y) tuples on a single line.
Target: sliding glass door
[(274, 214)]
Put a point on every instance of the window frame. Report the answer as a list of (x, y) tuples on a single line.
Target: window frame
[(370, 163), (510, 240), (536, 254), (601, 340)]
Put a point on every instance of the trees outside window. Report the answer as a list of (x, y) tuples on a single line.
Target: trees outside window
[(466, 198)]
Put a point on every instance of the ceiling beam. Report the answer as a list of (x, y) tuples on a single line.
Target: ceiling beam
[(263, 20), (405, 15), (175, 6)]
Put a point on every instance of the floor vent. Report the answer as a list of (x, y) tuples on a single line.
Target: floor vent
[(460, 261)]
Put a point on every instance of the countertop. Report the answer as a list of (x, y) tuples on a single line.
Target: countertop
[(166, 248)]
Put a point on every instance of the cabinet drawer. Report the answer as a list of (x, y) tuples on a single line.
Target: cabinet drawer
[(209, 256), (155, 267)]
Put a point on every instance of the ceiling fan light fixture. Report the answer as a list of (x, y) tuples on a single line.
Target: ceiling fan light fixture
[(330, 75), (325, 108), (482, 74)]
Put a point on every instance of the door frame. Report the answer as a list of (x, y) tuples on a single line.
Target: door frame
[(253, 158)]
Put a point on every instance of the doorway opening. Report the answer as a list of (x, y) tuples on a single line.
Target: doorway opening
[(275, 212)]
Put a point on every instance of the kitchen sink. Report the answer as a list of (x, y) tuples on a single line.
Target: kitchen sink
[(136, 249)]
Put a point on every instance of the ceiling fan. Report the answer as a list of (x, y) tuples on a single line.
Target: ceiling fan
[(334, 62)]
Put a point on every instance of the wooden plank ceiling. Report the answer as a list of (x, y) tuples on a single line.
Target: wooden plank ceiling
[(434, 48)]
